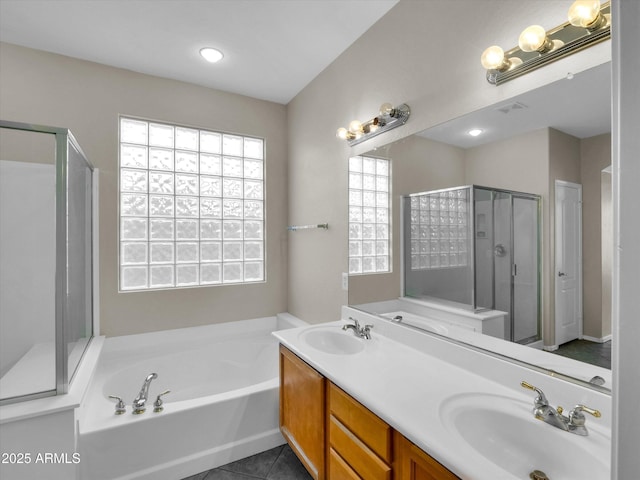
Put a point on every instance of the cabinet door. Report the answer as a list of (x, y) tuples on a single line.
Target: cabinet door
[(414, 464), (302, 412)]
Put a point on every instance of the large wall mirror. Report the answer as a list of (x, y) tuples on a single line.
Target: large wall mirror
[(552, 143)]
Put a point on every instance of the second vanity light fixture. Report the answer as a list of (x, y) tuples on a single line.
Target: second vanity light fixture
[(388, 118), (589, 23)]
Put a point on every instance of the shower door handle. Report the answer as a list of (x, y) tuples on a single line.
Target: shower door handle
[(561, 274)]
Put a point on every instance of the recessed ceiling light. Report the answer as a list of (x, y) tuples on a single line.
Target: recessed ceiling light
[(212, 55), (475, 132)]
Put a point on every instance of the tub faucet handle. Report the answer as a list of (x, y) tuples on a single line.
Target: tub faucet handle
[(120, 406), (157, 405)]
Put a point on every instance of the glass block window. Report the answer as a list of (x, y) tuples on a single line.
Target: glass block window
[(439, 230), (191, 207), (369, 215)]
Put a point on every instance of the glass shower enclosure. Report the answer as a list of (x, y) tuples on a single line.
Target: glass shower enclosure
[(46, 277), (477, 248)]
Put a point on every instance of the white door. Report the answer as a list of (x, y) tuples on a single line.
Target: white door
[(568, 264)]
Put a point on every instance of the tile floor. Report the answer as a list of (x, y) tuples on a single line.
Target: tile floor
[(279, 463), (590, 352)]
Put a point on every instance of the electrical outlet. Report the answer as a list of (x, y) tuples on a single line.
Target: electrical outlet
[(345, 281)]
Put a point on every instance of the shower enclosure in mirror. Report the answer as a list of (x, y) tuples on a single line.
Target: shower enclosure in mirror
[(477, 248), (46, 287)]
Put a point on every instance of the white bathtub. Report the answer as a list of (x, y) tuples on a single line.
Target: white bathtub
[(223, 404)]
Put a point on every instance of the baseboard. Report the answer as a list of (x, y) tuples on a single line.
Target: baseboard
[(604, 339)]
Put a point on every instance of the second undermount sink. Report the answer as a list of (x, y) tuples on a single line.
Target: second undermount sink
[(333, 340), (504, 431)]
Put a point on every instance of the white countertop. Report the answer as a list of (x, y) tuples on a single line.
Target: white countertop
[(401, 376)]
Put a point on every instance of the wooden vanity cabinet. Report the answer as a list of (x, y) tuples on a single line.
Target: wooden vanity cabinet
[(337, 438), (412, 463), (302, 411)]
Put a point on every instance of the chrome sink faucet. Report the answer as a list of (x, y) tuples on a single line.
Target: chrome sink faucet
[(358, 331), (574, 423), (139, 403)]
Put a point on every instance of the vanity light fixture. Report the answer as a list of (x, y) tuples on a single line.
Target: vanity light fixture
[(212, 55), (388, 117), (589, 23), (534, 39)]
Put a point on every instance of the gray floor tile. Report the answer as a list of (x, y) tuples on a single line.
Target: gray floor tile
[(257, 465), (585, 351), (288, 467), (220, 474), (199, 476)]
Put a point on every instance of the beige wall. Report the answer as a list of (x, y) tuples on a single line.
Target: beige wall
[(595, 155), (47, 89), (397, 60)]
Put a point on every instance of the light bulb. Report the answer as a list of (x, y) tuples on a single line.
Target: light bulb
[(493, 59), (386, 109), (584, 13), (474, 132), (534, 38), (211, 54), (342, 133), (355, 126)]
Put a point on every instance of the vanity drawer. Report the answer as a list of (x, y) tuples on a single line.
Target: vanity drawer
[(339, 469), (366, 426), (362, 460)]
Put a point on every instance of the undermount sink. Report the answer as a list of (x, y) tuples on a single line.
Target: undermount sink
[(504, 431), (333, 340)]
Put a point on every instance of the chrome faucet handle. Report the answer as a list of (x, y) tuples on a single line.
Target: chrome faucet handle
[(366, 332), (157, 405), (120, 406), (541, 399), (576, 420), (355, 322)]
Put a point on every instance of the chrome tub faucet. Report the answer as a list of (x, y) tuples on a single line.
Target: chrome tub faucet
[(139, 403)]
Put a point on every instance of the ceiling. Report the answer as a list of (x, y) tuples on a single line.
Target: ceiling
[(580, 106), (272, 48)]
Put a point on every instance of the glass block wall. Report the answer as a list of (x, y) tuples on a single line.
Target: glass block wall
[(191, 207), (369, 217), (439, 229)]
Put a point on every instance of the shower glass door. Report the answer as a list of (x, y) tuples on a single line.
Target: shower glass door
[(46, 253), (525, 279), (507, 259)]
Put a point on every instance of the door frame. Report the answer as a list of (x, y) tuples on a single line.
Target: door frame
[(560, 184)]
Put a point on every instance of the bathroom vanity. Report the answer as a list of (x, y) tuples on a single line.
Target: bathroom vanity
[(336, 437), (410, 405)]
